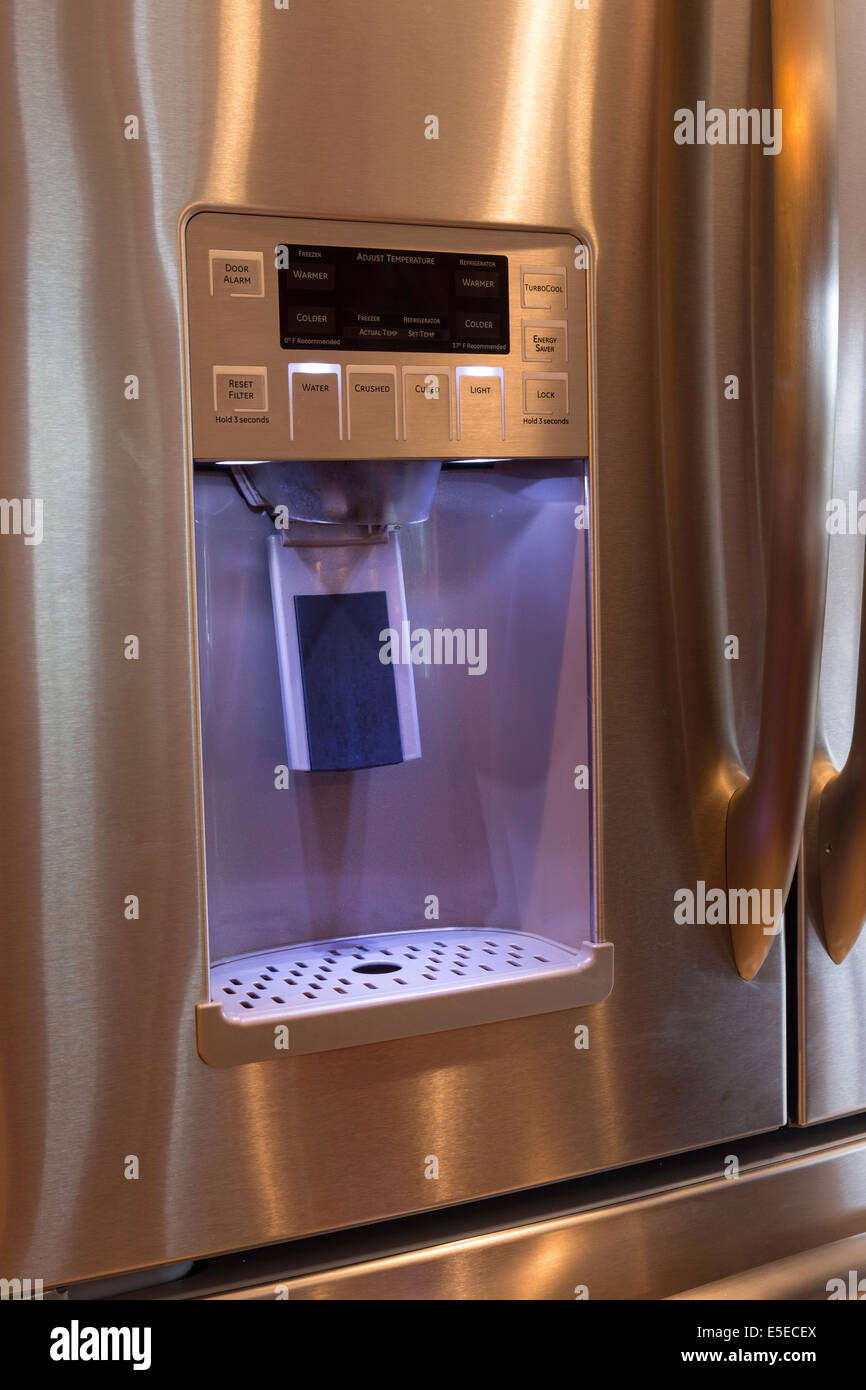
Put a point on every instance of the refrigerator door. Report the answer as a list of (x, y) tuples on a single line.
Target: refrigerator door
[(121, 1148), (831, 970)]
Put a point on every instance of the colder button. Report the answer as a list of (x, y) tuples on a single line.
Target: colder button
[(477, 324)]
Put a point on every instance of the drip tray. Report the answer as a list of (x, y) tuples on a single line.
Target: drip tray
[(366, 989)]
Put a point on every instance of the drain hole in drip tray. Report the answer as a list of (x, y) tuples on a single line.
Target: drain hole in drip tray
[(375, 967)]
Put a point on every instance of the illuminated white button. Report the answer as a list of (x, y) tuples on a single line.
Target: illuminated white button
[(315, 403), (480, 413), (237, 274), (545, 395), (545, 342), (544, 288), (372, 400), (427, 408), (240, 390)]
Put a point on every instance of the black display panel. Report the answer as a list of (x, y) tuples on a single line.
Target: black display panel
[(367, 299)]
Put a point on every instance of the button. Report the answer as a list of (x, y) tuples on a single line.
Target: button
[(427, 409), (477, 324), (310, 319), (545, 342), (240, 390), (480, 414), (237, 274), (477, 280), (309, 275), (315, 399), (544, 288), (372, 399), (545, 395)]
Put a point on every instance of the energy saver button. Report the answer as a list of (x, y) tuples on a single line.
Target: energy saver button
[(545, 342), (545, 395)]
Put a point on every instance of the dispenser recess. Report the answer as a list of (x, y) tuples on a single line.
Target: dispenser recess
[(394, 660)]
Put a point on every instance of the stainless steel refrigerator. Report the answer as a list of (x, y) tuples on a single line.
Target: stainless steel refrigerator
[(507, 320)]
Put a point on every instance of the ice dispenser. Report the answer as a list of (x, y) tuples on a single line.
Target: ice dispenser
[(390, 443)]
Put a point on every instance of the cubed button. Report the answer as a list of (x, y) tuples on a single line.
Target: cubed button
[(427, 409), (315, 403), (372, 399), (240, 390), (237, 274), (480, 413), (545, 342), (544, 288), (546, 395)]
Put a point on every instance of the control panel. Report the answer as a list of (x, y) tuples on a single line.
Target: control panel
[(330, 340)]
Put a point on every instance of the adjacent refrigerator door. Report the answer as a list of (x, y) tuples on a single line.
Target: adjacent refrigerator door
[(831, 966)]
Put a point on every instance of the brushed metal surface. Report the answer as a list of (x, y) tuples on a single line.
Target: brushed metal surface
[(832, 1058), (735, 1236), (807, 1276), (549, 117)]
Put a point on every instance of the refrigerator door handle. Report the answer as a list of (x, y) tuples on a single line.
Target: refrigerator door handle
[(834, 843), (765, 814)]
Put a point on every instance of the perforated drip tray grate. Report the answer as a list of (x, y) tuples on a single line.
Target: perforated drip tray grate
[(341, 993)]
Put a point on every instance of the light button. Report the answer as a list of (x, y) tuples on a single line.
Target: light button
[(480, 411), (372, 398), (546, 395), (237, 274), (315, 414), (545, 342), (544, 288), (240, 390)]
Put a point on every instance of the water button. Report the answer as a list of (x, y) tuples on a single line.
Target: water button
[(237, 274), (315, 401), (543, 288), (240, 390)]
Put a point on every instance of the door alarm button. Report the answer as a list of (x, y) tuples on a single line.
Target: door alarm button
[(237, 274), (240, 390)]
